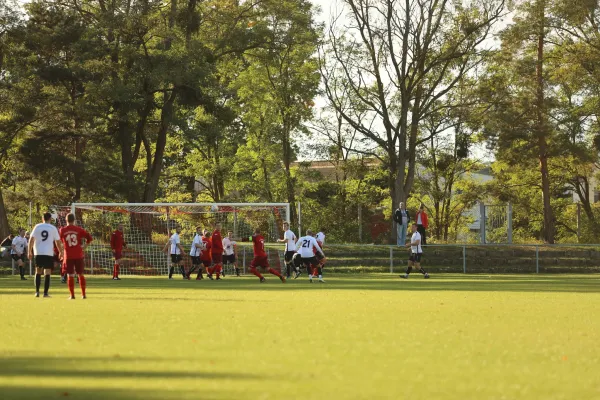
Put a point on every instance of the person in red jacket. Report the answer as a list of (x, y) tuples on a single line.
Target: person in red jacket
[(422, 223), (117, 243)]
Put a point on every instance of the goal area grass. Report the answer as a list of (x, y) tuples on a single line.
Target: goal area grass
[(367, 336)]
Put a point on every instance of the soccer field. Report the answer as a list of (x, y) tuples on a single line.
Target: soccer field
[(355, 337)]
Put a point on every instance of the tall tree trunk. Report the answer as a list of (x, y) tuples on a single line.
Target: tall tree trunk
[(161, 142), (289, 181), (4, 228), (542, 129), (266, 180)]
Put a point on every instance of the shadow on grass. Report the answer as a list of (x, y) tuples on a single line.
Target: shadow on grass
[(73, 393), (78, 369), (358, 282)]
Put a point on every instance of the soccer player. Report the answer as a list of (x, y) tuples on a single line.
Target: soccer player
[(72, 237), (306, 246), (321, 261), (217, 252), (117, 243), (416, 251), (176, 251), (17, 252), (229, 257), (289, 238), (260, 259), (205, 255), (197, 247), (44, 238)]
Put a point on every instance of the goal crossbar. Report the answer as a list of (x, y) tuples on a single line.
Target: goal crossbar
[(74, 206)]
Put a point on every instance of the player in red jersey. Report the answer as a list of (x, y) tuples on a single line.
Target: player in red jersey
[(71, 237), (260, 258), (117, 243), (216, 250), (205, 256)]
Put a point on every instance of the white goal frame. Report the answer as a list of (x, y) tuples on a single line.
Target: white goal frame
[(205, 207), (286, 205)]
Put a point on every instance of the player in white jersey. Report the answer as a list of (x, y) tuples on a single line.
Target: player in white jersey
[(289, 238), (41, 245), (416, 252), (17, 252), (229, 252), (307, 248), (176, 251), (197, 247)]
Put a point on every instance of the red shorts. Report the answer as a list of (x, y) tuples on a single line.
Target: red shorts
[(260, 262), (217, 258), (206, 263), (118, 255), (75, 266)]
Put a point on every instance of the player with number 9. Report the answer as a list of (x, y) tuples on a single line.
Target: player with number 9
[(44, 238)]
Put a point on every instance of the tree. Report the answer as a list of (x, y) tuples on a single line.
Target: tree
[(394, 61), (278, 88)]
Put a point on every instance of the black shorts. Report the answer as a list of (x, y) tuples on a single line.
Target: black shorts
[(196, 260), (229, 259), (176, 258), (46, 262), (310, 261), (415, 257), (18, 257), (289, 255)]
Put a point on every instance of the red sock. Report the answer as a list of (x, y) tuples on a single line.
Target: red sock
[(219, 269), (255, 272), (315, 271), (81, 284), (274, 272), (115, 270), (118, 270), (71, 284)]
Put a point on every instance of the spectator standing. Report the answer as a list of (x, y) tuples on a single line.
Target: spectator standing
[(402, 219), (422, 223)]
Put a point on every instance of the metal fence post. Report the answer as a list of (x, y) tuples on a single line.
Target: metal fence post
[(244, 258), (464, 259), (509, 225), (482, 223), (537, 259), (391, 260), (92, 262)]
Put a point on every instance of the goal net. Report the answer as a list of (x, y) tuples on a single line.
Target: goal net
[(147, 228)]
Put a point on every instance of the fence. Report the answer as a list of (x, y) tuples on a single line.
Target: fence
[(468, 258), (449, 258)]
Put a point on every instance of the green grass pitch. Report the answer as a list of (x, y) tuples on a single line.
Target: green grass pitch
[(355, 337)]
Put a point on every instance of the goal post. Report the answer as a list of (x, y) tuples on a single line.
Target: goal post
[(148, 226)]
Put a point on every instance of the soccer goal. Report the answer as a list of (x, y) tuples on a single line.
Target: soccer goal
[(148, 226)]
